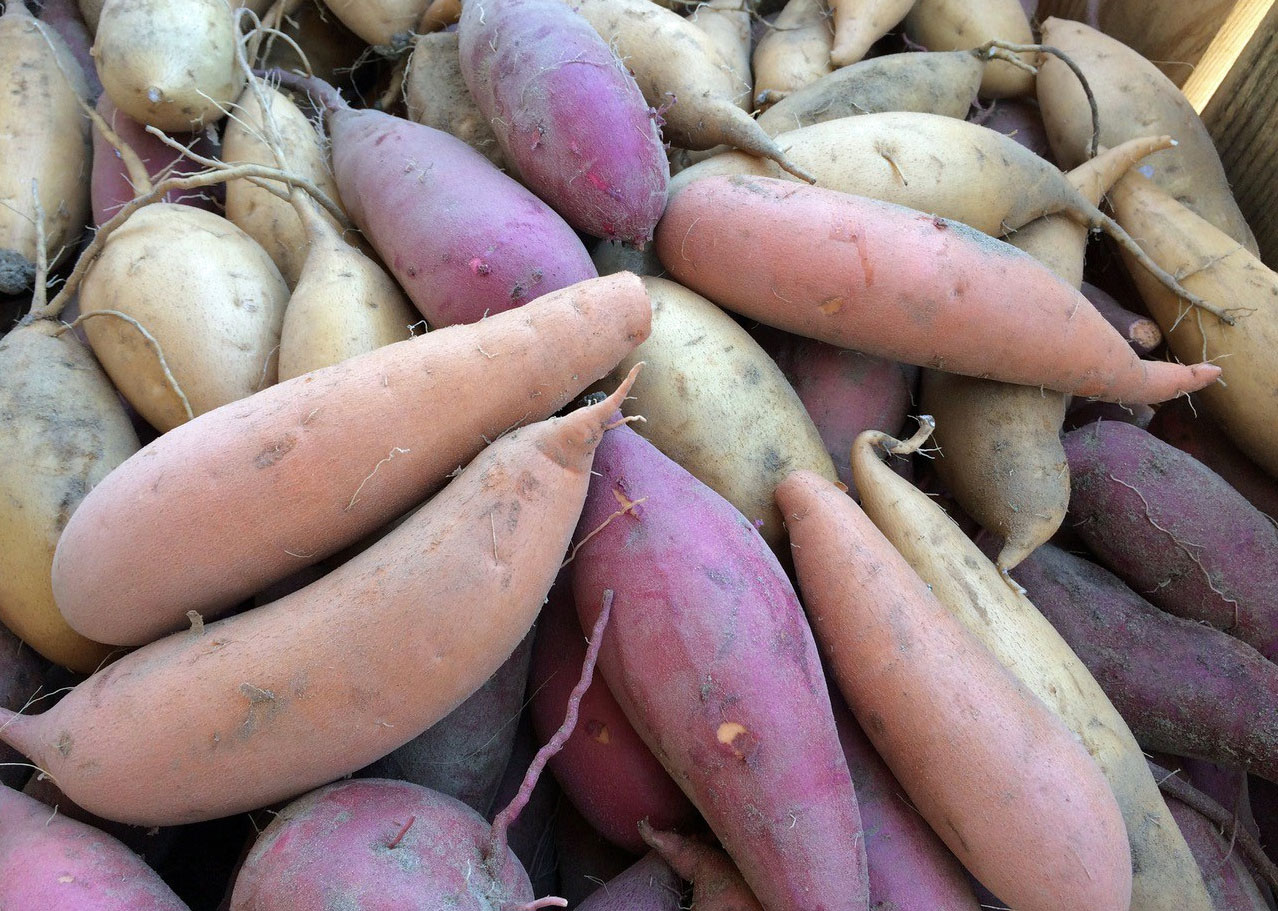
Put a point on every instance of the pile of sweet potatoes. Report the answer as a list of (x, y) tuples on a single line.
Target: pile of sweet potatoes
[(464, 455)]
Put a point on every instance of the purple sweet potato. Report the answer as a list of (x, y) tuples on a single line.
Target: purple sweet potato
[(112, 185), (1019, 119), (910, 867), (1183, 687), (1175, 531), (1081, 412), (1193, 431), (647, 885), (845, 392), (585, 858), (462, 239), (465, 754), (1141, 332), (54, 863), (377, 845), (21, 673), (711, 657), (717, 885), (567, 113), (605, 769)]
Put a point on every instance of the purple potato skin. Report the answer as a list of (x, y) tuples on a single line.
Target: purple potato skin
[(647, 885), (567, 114), (372, 844), (1018, 119), (1175, 531), (710, 655), (55, 863), (1183, 687), (462, 239)]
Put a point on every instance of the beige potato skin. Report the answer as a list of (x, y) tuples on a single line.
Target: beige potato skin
[(1217, 268), (205, 291), (436, 95), (1165, 874), (64, 431), (1134, 99), (170, 64), (794, 52), (714, 402), (344, 303), (727, 24), (985, 179), (270, 703), (860, 23), (44, 136), (381, 23), (266, 218), (955, 25), (943, 82)]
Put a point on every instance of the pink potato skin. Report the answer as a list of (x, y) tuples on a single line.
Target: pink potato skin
[(1175, 531), (1183, 687), (567, 114), (604, 769), (900, 284), (845, 392), (53, 863), (711, 657), (110, 188), (909, 866), (333, 849), (463, 240), (647, 885)]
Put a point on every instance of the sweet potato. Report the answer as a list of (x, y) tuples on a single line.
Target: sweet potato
[(206, 293), (1217, 268), (829, 265), (382, 23), (1228, 880), (419, 847), (997, 775), (65, 18), (844, 391), (366, 429), (271, 221), (116, 177), (860, 23), (532, 835), (465, 753), (44, 137), (1141, 332), (1022, 640), (717, 885), (956, 25), (51, 862), (681, 74), (713, 401), (1019, 119), (909, 865), (374, 650), (435, 94), (483, 243), (66, 431), (605, 769), (533, 67), (1214, 561), (21, 673), (942, 83), (710, 657), (1182, 425), (1184, 687), (647, 885), (169, 63), (1134, 98), (727, 24), (793, 52), (343, 305)]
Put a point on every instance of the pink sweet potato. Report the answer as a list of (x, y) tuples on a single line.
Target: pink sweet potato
[(647, 885), (313, 464), (54, 863), (604, 769), (1141, 332), (1175, 531), (712, 660), (378, 845), (1182, 687), (900, 284), (717, 885), (568, 115), (462, 238)]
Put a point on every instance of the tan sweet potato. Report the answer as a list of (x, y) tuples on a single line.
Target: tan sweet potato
[(955, 25), (793, 52)]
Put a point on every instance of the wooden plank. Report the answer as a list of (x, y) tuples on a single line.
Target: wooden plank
[(1235, 90)]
